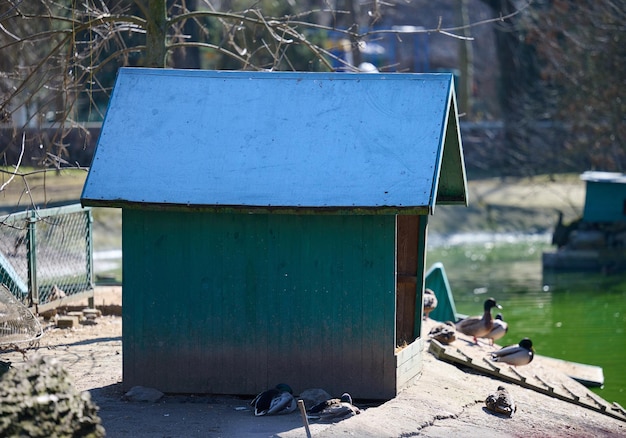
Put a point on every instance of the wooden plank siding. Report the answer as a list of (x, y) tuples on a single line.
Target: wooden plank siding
[(409, 363), (410, 267), (407, 262), (235, 303), (410, 258), (422, 230)]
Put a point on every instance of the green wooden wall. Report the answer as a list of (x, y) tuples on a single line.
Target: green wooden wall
[(235, 303), (605, 202)]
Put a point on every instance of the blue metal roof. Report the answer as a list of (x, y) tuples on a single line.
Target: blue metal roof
[(278, 140)]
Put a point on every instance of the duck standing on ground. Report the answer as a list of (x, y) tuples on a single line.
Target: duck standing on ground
[(501, 402), (278, 400), (478, 326), (334, 409), (430, 302), (444, 332), (520, 354), (498, 330)]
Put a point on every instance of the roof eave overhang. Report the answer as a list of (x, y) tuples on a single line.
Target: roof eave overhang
[(260, 209)]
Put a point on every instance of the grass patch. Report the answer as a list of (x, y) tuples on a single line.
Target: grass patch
[(43, 188), (54, 188)]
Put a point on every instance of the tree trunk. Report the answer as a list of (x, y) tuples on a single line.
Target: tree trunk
[(466, 61), (156, 34), (518, 87)]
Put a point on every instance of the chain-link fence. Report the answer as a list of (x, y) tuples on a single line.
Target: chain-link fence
[(46, 255)]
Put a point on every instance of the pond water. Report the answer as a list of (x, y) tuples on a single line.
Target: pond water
[(577, 316)]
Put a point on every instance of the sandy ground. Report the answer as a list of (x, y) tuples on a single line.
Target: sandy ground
[(444, 401)]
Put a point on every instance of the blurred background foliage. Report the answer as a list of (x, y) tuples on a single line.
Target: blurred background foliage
[(539, 82)]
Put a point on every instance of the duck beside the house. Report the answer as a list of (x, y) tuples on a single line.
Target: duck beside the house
[(430, 302), (278, 400), (478, 326), (334, 409), (444, 333), (520, 354)]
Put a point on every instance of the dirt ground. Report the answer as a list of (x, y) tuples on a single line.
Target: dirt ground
[(444, 401)]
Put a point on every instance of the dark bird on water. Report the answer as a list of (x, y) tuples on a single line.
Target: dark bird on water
[(562, 231)]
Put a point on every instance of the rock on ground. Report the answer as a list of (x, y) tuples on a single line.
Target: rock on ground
[(37, 399)]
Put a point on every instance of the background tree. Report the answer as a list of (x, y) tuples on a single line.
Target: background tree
[(59, 59), (581, 48), (561, 64), (562, 71)]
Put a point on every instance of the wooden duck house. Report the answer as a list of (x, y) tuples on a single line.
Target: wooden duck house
[(274, 224), (605, 198), (596, 241)]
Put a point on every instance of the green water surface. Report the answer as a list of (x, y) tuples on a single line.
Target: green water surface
[(577, 316)]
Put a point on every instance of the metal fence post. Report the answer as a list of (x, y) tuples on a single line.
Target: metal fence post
[(32, 259), (89, 238)]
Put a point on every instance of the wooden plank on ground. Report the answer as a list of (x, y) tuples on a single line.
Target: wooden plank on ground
[(531, 377), (588, 375)]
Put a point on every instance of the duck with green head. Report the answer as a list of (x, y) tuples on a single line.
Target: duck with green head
[(520, 354)]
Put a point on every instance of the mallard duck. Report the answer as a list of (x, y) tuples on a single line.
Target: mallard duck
[(430, 302), (278, 400), (501, 402), (444, 333), (478, 326), (498, 329), (520, 354), (334, 409)]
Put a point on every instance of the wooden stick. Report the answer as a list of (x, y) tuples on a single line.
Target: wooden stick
[(546, 384), (304, 419), (491, 365), (576, 398), (522, 378)]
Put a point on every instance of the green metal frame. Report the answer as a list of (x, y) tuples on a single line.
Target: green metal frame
[(30, 287)]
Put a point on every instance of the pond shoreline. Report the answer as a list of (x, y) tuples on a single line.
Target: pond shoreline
[(512, 205)]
